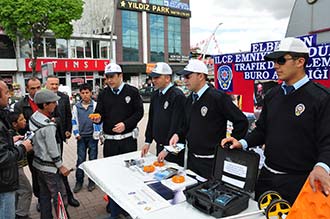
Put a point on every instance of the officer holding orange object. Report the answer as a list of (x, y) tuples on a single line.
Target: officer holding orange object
[(120, 107)]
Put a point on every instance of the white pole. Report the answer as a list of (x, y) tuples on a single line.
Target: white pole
[(208, 41), (144, 35), (113, 24)]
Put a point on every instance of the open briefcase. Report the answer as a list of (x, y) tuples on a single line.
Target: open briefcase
[(228, 193)]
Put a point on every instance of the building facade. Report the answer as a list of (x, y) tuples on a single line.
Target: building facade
[(147, 32), (140, 34), (80, 59)]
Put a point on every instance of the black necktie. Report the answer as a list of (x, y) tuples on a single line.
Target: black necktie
[(194, 97), (288, 89), (115, 91)]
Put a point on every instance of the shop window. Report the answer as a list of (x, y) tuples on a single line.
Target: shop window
[(80, 48), (174, 36), (104, 45), (62, 48), (77, 48), (88, 51), (38, 47), (50, 47), (96, 49), (73, 49), (24, 48), (156, 24), (130, 36), (6, 47), (61, 74)]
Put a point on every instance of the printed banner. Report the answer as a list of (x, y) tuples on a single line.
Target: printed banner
[(235, 72), (254, 67)]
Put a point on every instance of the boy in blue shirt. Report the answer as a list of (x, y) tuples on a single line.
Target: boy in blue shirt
[(86, 132)]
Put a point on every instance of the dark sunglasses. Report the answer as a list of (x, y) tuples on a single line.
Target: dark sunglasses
[(187, 76), (281, 60)]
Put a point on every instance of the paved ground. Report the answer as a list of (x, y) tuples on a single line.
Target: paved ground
[(92, 205)]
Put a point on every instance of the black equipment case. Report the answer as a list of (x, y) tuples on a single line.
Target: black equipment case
[(228, 193)]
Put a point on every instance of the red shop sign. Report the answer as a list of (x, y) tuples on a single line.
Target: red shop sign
[(71, 65)]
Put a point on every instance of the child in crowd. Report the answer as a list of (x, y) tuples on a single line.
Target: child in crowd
[(86, 132), (47, 153)]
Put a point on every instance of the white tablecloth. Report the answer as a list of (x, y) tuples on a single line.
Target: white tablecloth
[(124, 185)]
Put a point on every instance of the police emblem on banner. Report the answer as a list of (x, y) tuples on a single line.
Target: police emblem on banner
[(166, 104), (204, 111), (300, 108), (128, 99), (225, 76)]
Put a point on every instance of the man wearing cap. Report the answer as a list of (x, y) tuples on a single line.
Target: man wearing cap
[(166, 113), (207, 112), (47, 153), (63, 119), (294, 126), (121, 108)]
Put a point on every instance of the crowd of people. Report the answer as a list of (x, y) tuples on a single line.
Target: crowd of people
[(292, 127)]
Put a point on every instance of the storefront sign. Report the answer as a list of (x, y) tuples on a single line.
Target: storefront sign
[(70, 65), (78, 80), (176, 4), (155, 9), (178, 58)]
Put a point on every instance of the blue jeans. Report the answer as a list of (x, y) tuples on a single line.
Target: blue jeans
[(82, 145), (50, 184), (7, 205)]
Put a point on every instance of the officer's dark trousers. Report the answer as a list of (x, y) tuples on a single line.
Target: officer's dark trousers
[(116, 147), (287, 185), (201, 166)]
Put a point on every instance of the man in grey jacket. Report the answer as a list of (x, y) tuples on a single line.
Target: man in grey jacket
[(47, 153)]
